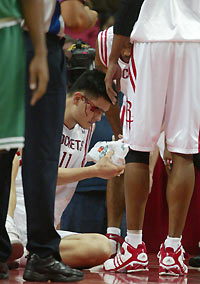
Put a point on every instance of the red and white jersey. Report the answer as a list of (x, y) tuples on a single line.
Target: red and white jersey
[(73, 151), (168, 20), (105, 39), (74, 147)]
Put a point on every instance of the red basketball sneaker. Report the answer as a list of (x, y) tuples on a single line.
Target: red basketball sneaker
[(171, 262), (129, 259), (116, 243)]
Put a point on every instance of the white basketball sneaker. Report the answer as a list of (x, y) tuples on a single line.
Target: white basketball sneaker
[(172, 262), (128, 260), (116, 243)]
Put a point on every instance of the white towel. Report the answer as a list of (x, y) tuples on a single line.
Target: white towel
[(100, 149)]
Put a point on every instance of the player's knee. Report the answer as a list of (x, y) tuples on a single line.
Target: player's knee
[(182, 158), (137, 157), (103, 246)]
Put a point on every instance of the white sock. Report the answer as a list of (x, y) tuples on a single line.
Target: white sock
[(173, 242), (134, 237), (114, 230)]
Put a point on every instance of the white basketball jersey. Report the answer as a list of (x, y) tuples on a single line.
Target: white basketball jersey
[(74, 147), (105, 39), (168, 20)]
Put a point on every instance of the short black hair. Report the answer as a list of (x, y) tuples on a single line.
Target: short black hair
[(92, 83)]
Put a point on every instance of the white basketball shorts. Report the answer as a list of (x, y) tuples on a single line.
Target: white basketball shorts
[(164, 85)]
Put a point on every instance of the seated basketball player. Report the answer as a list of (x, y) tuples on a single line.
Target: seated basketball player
[(85, 103)]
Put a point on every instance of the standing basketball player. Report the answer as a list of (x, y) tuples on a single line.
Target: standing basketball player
[(164, 83), (115, 187)]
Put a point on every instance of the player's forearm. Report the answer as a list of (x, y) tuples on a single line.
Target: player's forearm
[(113, 116), (117, 45), (76, 16), (33, 14), (69, 175), (99, 66)]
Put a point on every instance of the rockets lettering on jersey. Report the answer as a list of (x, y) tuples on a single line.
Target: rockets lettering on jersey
[(74, 146)]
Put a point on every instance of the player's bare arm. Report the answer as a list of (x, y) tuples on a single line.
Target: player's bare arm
[(114, 70), (33, 15), (77, 16), (113, 115), (126, 17), (102, 169)]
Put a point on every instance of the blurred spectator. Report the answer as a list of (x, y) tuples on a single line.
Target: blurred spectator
[(106, 10), (89, 35)]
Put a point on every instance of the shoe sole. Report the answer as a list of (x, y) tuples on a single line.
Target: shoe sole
[(124, 270), (169, 272), (37, 277), (17, 251)]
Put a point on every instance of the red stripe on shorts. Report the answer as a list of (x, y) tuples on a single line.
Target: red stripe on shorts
[(199, 140), (133, 64), (102, 54), (122, 115), (105, 47), (132, 81)]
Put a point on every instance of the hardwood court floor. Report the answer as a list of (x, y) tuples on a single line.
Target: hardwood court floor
[(96, 275)]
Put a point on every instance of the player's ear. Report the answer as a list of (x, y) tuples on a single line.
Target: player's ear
[(77, 97)]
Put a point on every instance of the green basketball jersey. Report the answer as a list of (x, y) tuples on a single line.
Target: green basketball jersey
[(10, 8)]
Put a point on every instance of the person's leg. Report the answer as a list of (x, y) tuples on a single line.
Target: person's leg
[(141, 131), (182, 139), (6, 158), (12, 72), (115, 208), (43, 130), (179, 192), (115, 201), (85, 250), (136, 195)]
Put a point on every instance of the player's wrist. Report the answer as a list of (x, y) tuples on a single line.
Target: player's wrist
[(95, 170)]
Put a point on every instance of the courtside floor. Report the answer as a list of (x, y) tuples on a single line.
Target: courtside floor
[(96, 275)]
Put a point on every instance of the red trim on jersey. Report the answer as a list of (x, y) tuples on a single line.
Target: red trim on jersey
[(105, 47), (102, 53), (86, 145), (122, 115), (199, 140)]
